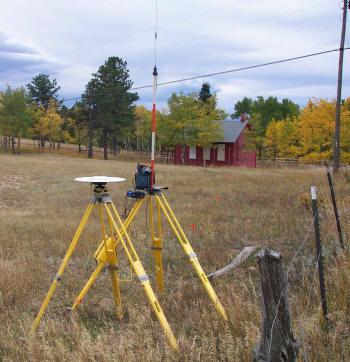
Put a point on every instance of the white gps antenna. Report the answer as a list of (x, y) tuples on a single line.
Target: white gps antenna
[(99, 179)]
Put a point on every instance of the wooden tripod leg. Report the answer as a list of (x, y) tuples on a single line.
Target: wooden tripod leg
[(190, 253), (157, 245), (141, 274), (63, 265)]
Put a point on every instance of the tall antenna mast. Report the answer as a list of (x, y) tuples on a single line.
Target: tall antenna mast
[(155, 76)]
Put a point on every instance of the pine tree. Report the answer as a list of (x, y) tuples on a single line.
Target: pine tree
[(204, 94), (113, 102), (41, 89)]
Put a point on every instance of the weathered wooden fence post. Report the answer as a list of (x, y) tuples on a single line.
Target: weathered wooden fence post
[(277, 341)]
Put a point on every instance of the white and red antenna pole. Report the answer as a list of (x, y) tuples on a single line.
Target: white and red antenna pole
[(155, 75)]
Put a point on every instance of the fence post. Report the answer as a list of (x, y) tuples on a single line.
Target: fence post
[(277, 341), (331, 186), (319, 252)]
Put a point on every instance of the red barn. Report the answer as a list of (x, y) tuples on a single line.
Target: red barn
[(229, 151)]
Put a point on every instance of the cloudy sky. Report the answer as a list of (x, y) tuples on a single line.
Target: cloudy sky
[(69, 40)]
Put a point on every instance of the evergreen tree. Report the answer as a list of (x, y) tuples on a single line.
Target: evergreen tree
[(88, 99), (113, 101), (241, 107), (204, 93), (41, 89), (68, 131), (77, 119), (263, 111)]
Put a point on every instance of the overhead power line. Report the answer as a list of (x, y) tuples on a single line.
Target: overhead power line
[(242, 68), (232, 70)]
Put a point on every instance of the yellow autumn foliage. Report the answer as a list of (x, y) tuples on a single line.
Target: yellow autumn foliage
[(48, 121), (310, 135), (316, 127), (281, 139)]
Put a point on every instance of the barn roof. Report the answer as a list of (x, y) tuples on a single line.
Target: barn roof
[(231, 130)]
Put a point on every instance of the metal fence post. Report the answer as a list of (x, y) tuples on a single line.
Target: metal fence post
[(335, 206), (319, 252)]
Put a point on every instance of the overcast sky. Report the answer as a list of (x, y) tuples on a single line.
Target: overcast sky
[(69, 40)]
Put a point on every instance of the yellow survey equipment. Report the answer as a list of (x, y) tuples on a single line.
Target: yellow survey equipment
[(106, 252)]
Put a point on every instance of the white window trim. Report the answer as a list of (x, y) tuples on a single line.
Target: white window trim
[(221, 152), (206, 154), (192, 152)]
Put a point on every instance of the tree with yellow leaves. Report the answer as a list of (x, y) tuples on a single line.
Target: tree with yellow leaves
[(310, 135), (191, 121), (345, 131), (143, 128), (281, 139), (271, 140), (48, 122), (208, 128), (316, 129)]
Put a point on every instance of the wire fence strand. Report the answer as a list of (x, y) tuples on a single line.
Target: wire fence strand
[(287, 276)]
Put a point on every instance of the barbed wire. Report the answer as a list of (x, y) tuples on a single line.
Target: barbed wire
[(312, 282), (287, 277), (301, 247), (301, 327)]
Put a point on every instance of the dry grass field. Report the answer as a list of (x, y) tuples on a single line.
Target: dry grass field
[(41, 206)]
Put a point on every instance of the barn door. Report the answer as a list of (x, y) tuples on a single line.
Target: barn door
[(221, 152)]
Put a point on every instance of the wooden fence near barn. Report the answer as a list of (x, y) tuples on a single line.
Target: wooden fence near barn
[(293, 162), (165, 156)]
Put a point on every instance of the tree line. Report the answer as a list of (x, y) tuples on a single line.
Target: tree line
[(282, 129), (107, 116)]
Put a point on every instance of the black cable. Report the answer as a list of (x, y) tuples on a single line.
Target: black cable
[(127, 209), (243, 68), (232, 70)]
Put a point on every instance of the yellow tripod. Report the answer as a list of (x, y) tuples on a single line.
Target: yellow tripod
[(107, 252)]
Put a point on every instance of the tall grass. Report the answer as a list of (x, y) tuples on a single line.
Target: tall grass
[(41, 206)]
